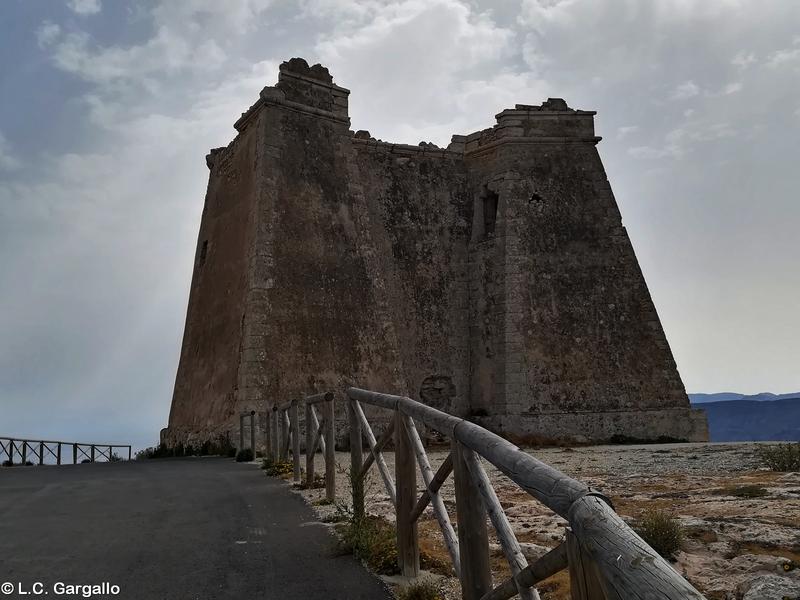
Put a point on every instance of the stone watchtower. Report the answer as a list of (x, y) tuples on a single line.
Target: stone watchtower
[(491, 279)]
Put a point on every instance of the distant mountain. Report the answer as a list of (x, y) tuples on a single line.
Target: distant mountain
[(719, 397), (727, 396), (753, 420)]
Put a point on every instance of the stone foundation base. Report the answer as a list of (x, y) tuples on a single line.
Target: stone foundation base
[(598, 427), (549, 428)]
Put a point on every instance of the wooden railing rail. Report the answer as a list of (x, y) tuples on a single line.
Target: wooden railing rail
[(606, 559), (10, 447), (283, 436)]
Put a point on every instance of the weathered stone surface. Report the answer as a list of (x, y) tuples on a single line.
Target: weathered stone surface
[(493, 278), (772, 587)]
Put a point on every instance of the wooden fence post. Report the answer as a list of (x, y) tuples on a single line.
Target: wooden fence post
[(473, 538), (92, 459), (24, 453), (439, 510), (58, 456), (268, 435), (41, 453), (295, 418), (275, 438), (284, 434), (356, 460), (287, 443), (74, 454), (253, 432), (330, 451), (583, 581), (406, 481), (311, 434), (129, 452), (11, 449)]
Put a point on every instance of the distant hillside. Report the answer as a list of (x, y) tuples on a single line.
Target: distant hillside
[(727, 396), (753, 420)]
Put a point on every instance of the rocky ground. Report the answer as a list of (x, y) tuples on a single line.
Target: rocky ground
[(742, 522)]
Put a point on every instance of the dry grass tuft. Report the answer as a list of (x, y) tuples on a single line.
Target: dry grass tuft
[(781, 457), (661, 531), (421, 590)]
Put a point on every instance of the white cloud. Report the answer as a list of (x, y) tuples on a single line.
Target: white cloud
[(626, 130), (84, 7), (732, 88), (164, 53), (432, 89), (7, 160), (686, 90), (187, 37), (649, 152), (343, 13), (683, 140), (744, 59), (789, 57), (47, 33)]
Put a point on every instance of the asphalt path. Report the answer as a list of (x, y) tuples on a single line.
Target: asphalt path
[(193, 528)]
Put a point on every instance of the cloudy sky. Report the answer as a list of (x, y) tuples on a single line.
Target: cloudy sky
[(108, 109)]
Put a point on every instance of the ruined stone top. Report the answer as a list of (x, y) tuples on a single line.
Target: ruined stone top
[(304, 89), (310, 89), (299, 66)]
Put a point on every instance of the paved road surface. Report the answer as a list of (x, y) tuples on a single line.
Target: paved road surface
[(193, 528)]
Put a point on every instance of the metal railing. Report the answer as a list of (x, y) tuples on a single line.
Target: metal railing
[(283, 436), (605, 558), (39, 449)]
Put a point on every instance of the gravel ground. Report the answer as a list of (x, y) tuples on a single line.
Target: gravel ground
[(732, 542)]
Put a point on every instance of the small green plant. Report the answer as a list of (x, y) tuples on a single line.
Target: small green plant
[(661, 531), (421, 590), (317, 484), (114, 457), (244, 455), (145, 453), (277, 468), (371, 539), (219, 446), (781, 457), (160, 451), (742, 491)]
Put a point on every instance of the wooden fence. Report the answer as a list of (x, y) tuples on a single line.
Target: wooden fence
[(283, 437), (606, 559), (39, 449)]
